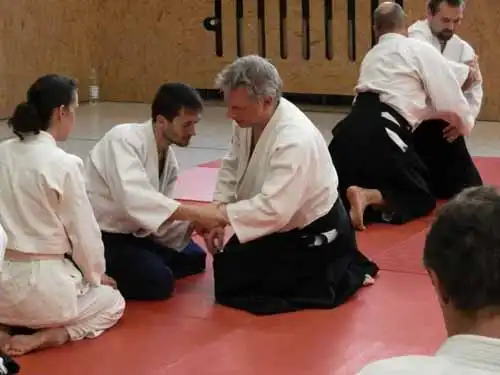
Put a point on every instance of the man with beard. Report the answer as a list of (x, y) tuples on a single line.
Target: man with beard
[(130, 175), (439, 145), (380, 175)]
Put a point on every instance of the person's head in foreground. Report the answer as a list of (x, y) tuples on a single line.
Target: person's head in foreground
[(444, 17), (389, 17), (175, 111), (252, 89), (50, 106), (462, 256)]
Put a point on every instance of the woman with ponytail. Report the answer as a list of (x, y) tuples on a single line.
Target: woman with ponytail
[(52, 273)]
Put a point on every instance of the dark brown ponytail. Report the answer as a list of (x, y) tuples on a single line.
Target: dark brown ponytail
[(46, 94)]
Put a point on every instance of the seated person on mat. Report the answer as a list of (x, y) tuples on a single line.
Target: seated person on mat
[(462, 256), (450, 164), (372, 147), (130, 175), (294, 246), (52, 275)]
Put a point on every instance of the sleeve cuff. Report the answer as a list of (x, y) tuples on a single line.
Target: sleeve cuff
[(244, 232), (158, 219)]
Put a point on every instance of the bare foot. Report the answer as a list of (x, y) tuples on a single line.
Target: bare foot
[(358, 202), (22, 344), (4, 335)]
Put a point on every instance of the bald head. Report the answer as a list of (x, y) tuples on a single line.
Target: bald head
[(389, 17)]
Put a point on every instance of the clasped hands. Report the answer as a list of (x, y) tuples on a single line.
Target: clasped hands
[(456, 127), (474, 74), (211, 219)]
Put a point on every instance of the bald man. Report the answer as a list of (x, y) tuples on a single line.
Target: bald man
[(381, 177)]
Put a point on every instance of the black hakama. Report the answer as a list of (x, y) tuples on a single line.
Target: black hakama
[(285, 272), (450, 165), (7, 365), (365, 156)]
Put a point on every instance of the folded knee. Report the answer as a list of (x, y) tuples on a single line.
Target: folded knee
[(157, 286), (116, 305)]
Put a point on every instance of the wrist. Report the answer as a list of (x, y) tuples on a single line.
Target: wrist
[(223, 209), (184, 213)]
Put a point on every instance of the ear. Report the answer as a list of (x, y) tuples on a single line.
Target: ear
[(160, 119), (268, 100), (429, 10), (58, 112), (438, 286)]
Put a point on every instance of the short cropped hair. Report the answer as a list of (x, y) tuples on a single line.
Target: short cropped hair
[(173, 97), (463, 249), (388, 17), (434, 5)]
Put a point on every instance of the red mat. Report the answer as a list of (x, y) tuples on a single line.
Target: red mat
[(188, 334), (197, 184), (380, 237), (211, 164), (405, 257), (489, 167)]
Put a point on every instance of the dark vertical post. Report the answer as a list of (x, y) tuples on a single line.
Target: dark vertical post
[(306, 30), (351, 29), (239, 28), (328, 10), (219, 49), (283, 29), (261, 17)]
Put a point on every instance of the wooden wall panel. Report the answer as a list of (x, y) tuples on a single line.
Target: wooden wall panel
[(39, 37), (250, 28), (146, 43), (481, 28), (136, 46)]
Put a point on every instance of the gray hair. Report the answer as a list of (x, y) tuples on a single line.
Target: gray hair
[(255, 73)]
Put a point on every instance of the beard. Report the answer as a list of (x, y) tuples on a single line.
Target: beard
[(175, 140), (445, 35)]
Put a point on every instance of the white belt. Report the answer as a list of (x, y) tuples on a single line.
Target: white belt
[(3, 369), (325, 237), (319, 239)]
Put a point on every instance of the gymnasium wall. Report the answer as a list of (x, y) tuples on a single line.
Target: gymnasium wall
[(135, 45)]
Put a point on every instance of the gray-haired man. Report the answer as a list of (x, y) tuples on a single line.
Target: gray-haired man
[(294, 246)]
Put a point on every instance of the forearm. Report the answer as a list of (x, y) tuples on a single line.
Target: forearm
[(90, 262), (184, 212)]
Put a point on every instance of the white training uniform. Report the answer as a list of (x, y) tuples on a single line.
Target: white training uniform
[(125, 189), (288, 182), (459, 355), (458, 52), (3, 243), (412, 77), (46, 215)]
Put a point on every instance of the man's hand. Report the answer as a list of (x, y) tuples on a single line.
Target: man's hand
[(474, 74), (106, 280), (209, 217), (455, 128), (214, 240), (451, 133)]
